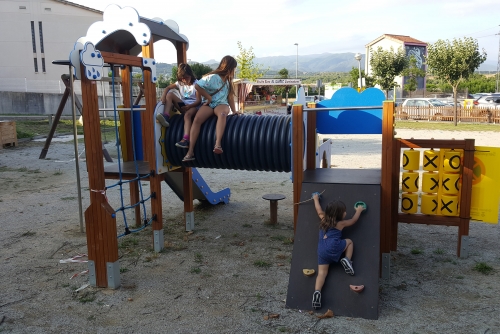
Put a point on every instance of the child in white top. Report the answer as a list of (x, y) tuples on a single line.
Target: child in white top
[(182, 95)]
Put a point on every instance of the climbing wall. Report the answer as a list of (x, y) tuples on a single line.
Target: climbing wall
[(349, 186)]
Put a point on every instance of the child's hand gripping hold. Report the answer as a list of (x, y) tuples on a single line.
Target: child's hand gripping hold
[(316, 194)]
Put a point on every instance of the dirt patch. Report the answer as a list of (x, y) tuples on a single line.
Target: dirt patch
[(231, 274)]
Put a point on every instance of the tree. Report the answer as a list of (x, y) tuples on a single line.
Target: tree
[(246, 68), (354, 78), (386, 66), (454, 62), (162, 81), (412, 72), (173, 76), (479, 83), (283, 74), (200, 70)]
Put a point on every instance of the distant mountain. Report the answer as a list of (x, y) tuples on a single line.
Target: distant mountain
[(488, 65), (315, 63), (210, 62), (325, 62)]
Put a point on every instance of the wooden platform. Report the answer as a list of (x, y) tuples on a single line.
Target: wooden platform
[(128, 169)]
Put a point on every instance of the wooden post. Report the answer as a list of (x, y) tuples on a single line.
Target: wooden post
[(297, 158), (181, 52), (387, 177), (100, 219), (148, 124)]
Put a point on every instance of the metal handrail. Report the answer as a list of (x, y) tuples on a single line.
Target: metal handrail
[(341, 108)]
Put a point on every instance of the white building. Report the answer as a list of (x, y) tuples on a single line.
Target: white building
[(33, 33), (412, 47)]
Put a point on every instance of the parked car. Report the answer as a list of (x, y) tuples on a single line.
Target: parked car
[(423, 108), (488, 101), (310, 98)]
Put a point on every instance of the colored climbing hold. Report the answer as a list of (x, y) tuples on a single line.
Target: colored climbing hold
[(363, 204)]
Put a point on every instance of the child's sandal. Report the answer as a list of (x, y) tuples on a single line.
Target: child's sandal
[(218, 150), (188, 158)]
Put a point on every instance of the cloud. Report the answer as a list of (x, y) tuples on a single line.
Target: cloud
[(93, 62), (116, 18)]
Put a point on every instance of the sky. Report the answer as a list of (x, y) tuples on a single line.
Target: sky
[(272, 27)]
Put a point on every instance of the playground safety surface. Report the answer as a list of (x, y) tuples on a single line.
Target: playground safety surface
[(231, 275)]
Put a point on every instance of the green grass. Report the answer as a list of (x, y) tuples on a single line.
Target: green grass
[(261, 264), (417, 251), (87, 297), (131, 241), (483, 268), (32, 128), (445, 126), (283, 239), (195, 270), (198, 257), (438, 251)]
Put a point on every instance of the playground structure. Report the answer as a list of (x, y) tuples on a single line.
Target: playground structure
[(146, 147), (161, 162)]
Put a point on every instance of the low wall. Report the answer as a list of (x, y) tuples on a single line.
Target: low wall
[(27, 103)]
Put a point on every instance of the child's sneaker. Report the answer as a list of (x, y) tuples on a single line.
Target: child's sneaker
[(316, 303), (347, 266), (183, 143), (163, 120)]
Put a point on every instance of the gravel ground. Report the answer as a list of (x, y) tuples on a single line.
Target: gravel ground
[(231, 274)]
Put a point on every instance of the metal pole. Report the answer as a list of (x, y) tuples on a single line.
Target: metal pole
[(497, 90), (297, 72), (103, 99), (75, 141), (297, 62), (360, 80)]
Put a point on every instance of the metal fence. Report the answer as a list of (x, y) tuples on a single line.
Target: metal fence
[(474, 114)]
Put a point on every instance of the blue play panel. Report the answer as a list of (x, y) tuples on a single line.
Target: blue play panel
[(351, 121)]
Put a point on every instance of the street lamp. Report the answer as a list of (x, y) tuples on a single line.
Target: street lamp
[(357, 56), (297, 71), (297, 62)]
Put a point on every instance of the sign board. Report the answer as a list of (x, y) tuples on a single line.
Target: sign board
[(290, 82), (485, 184)]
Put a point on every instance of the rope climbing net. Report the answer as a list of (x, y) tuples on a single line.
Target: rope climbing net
[(121, 182)]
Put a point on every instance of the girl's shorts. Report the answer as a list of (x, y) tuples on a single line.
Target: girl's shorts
[(329, 253)]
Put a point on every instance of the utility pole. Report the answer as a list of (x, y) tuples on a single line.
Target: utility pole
[(497, 90)]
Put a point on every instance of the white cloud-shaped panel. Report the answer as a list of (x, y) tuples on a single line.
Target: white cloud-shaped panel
[(151, 63), (116, 18), (93, 62), (172, 25)]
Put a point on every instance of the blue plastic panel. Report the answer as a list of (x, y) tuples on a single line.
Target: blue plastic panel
[(351, 121)]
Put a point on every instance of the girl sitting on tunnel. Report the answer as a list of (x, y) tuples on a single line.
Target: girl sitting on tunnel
[(217, 91), (182, 95)]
